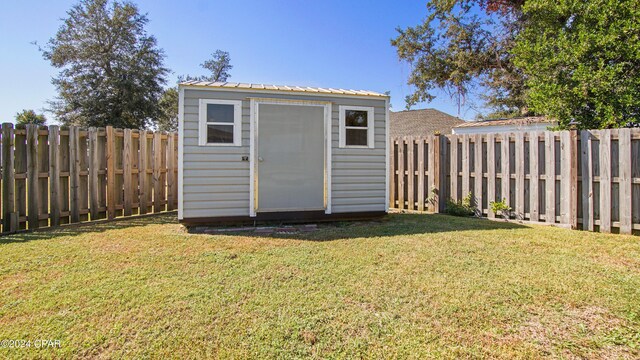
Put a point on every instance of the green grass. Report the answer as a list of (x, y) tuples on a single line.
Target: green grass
[(410, 286)]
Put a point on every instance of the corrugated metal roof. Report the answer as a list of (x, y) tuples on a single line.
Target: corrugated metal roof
[(263, 87), (514, 122)]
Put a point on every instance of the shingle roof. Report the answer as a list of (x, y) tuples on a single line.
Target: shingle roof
[(264, 87), (509, 122), (421, 122)]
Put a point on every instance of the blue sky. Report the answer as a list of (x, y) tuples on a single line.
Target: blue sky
[(340, 44)]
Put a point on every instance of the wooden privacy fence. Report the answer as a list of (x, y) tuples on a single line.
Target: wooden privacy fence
[(52, 176), (580, 179)]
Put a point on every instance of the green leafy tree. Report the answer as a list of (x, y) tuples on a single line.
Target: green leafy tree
[(582, 61), (30, 117), (111, 70), (168, 118), (219, 65), (464, 46)]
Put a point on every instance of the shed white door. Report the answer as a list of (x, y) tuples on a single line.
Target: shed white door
[(290, 158)]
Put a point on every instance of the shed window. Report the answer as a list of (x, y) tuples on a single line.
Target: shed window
[(356, 127), (220, 122)]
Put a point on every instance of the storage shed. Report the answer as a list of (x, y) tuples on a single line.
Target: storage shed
[(264, 152)]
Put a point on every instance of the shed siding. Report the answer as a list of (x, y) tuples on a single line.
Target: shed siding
[(216, 181)]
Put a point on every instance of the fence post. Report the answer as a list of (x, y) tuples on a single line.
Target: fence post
[(8, 179)]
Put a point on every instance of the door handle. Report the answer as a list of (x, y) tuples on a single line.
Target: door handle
[(260, 159)]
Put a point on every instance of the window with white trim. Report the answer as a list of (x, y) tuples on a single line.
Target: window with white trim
[(220, 122), (356, 127)]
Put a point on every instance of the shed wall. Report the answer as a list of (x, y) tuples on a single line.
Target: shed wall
[(216, 181)]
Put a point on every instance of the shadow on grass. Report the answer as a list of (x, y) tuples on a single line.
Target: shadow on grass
[(390, 225), (89, 227)]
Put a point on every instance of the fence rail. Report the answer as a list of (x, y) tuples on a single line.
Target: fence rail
[(588, 179), (52, 176)]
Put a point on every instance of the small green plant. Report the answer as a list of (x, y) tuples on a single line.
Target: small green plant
[(500, 208), (433, 196), (461, 207)]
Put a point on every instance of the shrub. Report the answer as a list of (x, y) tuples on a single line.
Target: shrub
[(500, 208), (460, 208)]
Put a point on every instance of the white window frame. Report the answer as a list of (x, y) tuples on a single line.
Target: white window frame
[(237, 122), (370, 127)]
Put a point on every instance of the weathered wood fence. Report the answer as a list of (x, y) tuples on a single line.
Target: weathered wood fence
[(52, 176), (579, 179)]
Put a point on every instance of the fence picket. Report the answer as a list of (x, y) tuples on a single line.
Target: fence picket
[(520, 175), (626, 185), (491, 173), (505, 154), (587, 180), (411, 173), (157, 178), (453, 167), (401, 181), (54, 175), (605, 181), (550, 176), (8, 180), (33, 186), (465, 165), (435, 164), (421, 173), (478, 175), (127, 171), (534, 177)]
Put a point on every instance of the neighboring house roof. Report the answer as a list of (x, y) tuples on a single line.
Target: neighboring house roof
[(264, 87), (515, 122), (421, 122)]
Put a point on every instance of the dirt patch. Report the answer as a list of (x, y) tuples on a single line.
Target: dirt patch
[(571, 333)]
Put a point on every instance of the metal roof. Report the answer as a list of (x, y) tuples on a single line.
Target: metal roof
[(514, 122), (264, 87)]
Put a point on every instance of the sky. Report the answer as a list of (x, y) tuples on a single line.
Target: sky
[(330, 43)]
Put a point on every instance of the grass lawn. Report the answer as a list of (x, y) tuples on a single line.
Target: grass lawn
[(409, 286)]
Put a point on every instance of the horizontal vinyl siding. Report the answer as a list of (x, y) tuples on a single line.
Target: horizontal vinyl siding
[(358, 175), (216, 180)]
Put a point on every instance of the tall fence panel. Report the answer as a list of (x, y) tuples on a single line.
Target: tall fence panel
[(579, 179), (61, 175)]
